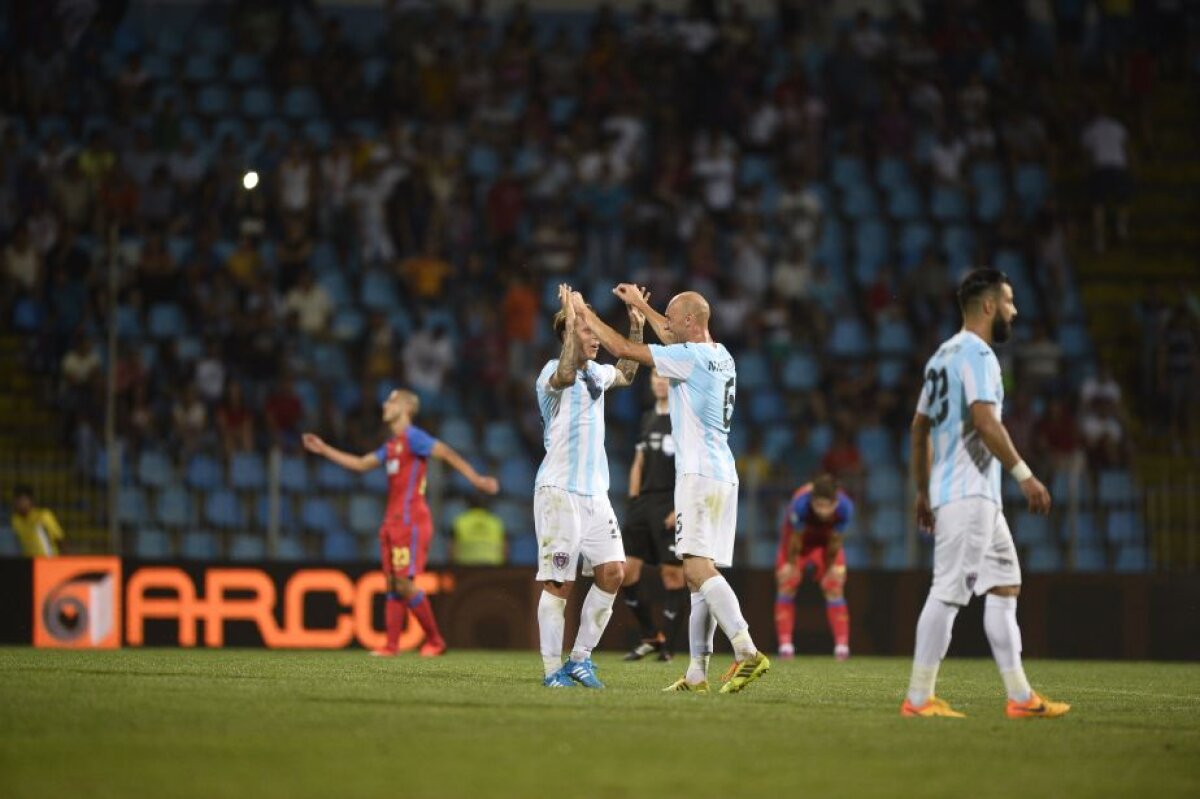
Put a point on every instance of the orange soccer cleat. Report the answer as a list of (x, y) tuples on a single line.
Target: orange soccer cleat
[(431, 649), (932, 708), (1036, 707)]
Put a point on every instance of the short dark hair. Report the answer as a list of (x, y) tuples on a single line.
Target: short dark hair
[(977, 283), (22, 490), (825, 486)]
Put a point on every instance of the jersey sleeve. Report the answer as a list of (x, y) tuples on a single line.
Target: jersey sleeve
[(923, 397), (798, 512), (607, 374), (844, 513), (675, 361), (381, 453), (975, 371), (420, 443), (543, 381)]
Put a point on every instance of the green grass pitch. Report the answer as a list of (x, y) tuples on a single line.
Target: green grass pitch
[(246, 723)]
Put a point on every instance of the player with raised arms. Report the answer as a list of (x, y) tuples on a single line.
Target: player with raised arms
[(817, 516), (703, 385), (407, 526), (958, 500), (572, 515)]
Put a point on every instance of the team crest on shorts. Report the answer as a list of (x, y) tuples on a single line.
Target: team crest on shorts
[(561, 559), (971, 578)]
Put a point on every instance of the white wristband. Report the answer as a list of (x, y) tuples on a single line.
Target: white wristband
[(1021, 472)]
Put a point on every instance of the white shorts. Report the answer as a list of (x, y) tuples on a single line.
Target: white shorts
[(705, 518), (973, 551), (570, 526)]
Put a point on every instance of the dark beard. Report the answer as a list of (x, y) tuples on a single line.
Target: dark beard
[(1001, 330)]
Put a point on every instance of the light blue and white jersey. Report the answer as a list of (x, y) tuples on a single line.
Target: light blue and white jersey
[(573, 429), (962, 372), (703, 383)]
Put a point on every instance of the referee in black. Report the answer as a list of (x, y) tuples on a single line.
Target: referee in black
[(649, 529)]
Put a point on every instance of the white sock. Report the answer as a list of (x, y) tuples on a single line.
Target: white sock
[(723, 604), (701, 629), (1000, 624), (552, 619), (933, 640), (597, 610)]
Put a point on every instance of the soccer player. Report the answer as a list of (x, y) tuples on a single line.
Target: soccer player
[(812, 536), (703, 385), (407, 526), (650, 527), (958, 500), (571, 512), (37, 529)]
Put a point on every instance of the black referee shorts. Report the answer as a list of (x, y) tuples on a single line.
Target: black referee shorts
[(644, 535)]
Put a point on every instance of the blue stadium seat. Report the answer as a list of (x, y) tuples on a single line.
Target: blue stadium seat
[(378, 291), (199, 68), (857, 555), (990, 203), (1061, 489), (516, 477), (755, 170), (523, 550), (849, 339), (776, 441), (885, 485), (888, 524), (892, 173), (331, 477), (173, 507), (365, 513), (905, 203), (301, 103), (1031, 529), (1045, 558), (820, 437), (1124, 527), (293, 474), (203, 473), (1031, 185), (319, 132), (318, 515), (222, 509), (152, 544), (247, 471), (244, 547), (877, 446), (762, 553), (340, 547), (985, 175), (1090, 559), (517, 518), (1115, 487), (915, 237), (831, 249), (257, 102), (893, 337), (157, 67), (214, 40), (500, 439), (331, 363), (1132, 558), (1087, 532), (373, 71), (131, 506), (291, 549), (376, 481), (891, 372), (212, 101), (895, 557), (859, 202), (847, 171), (348, 325), (801, 372), (154, 469), (1074, 340), (166, 320), (262, 512), (459, 434), (753, 370), (483, 163), (245, 68), (198, 545), (959, 243), (767, 406)]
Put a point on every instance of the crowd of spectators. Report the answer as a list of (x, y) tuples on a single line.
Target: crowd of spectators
[(420, 186)]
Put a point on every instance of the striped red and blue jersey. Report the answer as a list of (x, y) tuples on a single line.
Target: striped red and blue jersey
[(801, 519), (405, 457)]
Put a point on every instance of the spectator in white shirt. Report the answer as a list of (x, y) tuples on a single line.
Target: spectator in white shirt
[(948, 157), (210, 374), (310, 304), (428, 355), (1106, 143)]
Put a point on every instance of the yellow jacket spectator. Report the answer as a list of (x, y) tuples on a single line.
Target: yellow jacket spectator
[(36, 528), (478, 539)]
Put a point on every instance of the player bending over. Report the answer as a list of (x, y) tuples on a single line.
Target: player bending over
[(650, 528), (571, 512), (703, 384), (812, 536), (958, 500), (407, 526)]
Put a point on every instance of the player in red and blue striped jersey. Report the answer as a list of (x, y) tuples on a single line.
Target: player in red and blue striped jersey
[(817, 517), (407, 526)]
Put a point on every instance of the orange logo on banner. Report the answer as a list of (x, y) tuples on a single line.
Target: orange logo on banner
[(77, 602), (256, 602)]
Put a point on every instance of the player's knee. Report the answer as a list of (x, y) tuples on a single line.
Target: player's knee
[(1006, 590), (672, 578), (632, 571), (610, 576)]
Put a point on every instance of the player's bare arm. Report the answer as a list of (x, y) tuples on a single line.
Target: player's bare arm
[(483, 483), (356, 463), (637, 297), (611, 340), (995, 437), (635, 474), (919, 465), (626, 368), (564, 376)]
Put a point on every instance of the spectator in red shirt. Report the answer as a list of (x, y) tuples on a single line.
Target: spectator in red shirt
[(284, 412), (505, 205), (1058, 437), (235, 422), (844, 461)]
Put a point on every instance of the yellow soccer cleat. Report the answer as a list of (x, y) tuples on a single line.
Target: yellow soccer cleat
[(683, 686), (932, 708), (746, 672), (1036, 707)]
